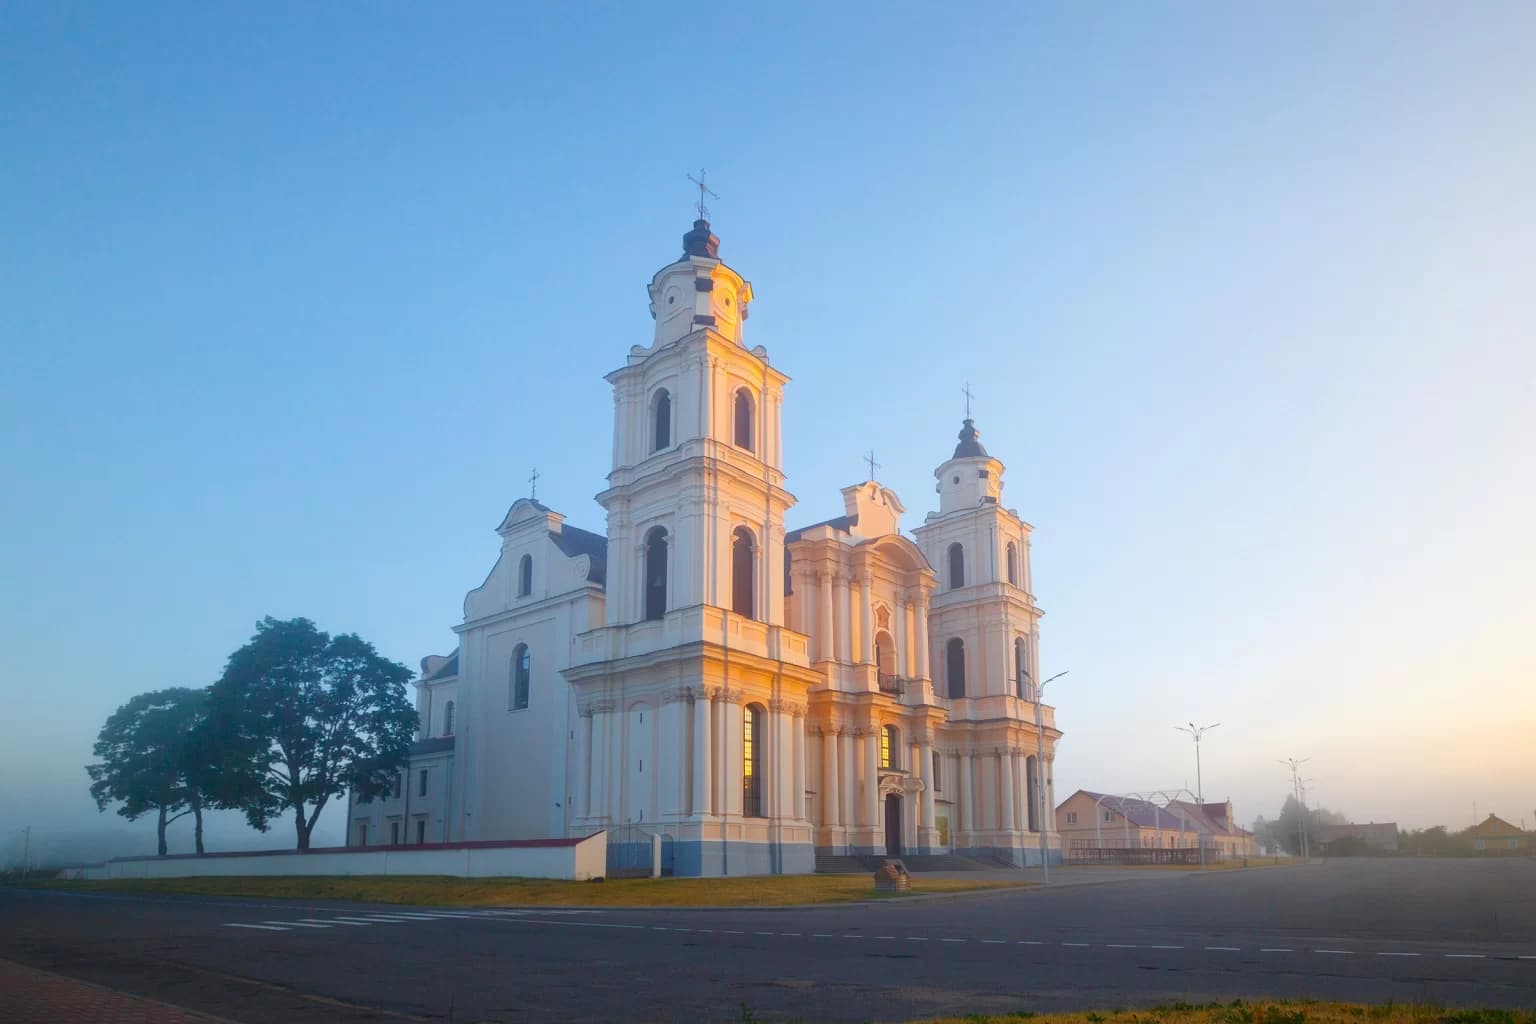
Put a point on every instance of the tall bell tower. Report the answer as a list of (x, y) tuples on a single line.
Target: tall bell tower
[(696, 448)]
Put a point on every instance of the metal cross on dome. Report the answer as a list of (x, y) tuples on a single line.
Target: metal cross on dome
[(533, 484), (704, 190), (966, 391)]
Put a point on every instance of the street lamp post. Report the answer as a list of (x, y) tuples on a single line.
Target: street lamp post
[(1197, 731), (1040, 798)]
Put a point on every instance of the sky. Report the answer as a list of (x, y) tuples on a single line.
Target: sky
[(293, 299)]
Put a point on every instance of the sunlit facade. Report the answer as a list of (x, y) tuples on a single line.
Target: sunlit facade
[(757, 696)]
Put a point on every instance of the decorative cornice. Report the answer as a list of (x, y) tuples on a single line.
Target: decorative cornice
[(597, 707)]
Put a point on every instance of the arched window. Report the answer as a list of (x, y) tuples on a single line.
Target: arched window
[(752, 761), (521, 672), (890, 747), (656, 573), (1032, 791), (743, 572), (1021, 668), (661, 421), (956, 566), (954, 665), (885, 662), (743, 419), (525, 576), (1013, 564), (448, 719)]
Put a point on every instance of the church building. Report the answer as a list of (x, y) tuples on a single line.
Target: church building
[(758, 697)]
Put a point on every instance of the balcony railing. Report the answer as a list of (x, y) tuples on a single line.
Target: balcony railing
[(890, 683)]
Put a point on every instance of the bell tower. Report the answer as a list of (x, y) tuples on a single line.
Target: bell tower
[(696, 451), (984, 622)]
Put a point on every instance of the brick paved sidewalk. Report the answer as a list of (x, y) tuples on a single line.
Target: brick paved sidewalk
[(30, 996)]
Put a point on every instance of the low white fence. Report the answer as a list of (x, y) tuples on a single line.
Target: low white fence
[(576, 859)]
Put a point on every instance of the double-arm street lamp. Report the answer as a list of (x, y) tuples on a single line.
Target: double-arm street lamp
[(1040, 797), (1197, 731)]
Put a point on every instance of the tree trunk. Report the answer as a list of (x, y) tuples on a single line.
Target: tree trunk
[(160, 830), (301, 827), (197, 821)]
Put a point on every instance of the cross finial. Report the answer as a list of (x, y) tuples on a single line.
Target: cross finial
[(704, 190), (533, 484), (966, 391), (869, 457)]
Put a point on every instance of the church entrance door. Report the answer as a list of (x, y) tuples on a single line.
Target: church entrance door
[(893, 825)]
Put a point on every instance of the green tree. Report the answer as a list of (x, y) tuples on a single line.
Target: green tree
[(145, 759), (1286, 827), (300, 717)]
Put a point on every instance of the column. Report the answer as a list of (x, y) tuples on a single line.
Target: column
[(830, 810), (1005, 780), (732, 752), (920, 607), (872, 765), (841, 601), (925, 756), (966, 823), (784, 763), (799, 753), (671, 799), (702, 786), (900, 638), (847, 796), (866, 636), (824, 646), (584, 766)]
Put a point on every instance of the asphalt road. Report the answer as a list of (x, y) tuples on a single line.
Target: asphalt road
[(1453, 932)]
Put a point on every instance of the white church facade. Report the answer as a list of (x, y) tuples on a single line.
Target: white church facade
[(757, 696)]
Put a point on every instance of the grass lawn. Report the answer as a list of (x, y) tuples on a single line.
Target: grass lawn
[(445, 891), (1264, 1012)]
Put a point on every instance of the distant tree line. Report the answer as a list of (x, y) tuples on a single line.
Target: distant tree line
[(1283, 833), (297, 718)]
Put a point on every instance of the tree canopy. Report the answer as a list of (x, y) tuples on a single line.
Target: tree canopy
[(301, 717), (147, 760)]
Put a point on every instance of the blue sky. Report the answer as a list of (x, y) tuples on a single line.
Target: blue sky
[(293, 299)]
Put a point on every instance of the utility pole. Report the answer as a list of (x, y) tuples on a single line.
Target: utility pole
[(1040, 797), (26, 851), (1301, 811)]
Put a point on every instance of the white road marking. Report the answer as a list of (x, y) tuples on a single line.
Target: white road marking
[(951, 940), (885, 936), (659, 928), (1465, 956), (1030, 942), (853, 936), (987, 942), (354, 920), (1226, 949), (259, 927), (334, 920), (388, 920), (411, 915), (764, 933), (1165, 947), (733, 931), (790, 935), (296, 924), (1121, 945), (1276, 949), (917, 938), (1342, 952), (821, 935), (1397, 954), (1079, 945)]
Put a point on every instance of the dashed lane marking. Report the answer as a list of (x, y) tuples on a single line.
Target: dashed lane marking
[(1465, 956), (951, 940), (333, 920), (1165, 947), (1121, 945), (1030, 942), (1076, 945), (296, 924), (917, 938), (821, 935), (984, 942), (355, 920), (1276, 949), (1397, 954), (259, 927), (1341, 952), (1225, 949)]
